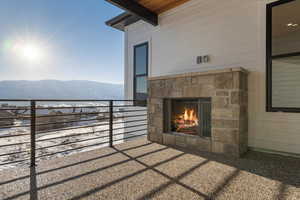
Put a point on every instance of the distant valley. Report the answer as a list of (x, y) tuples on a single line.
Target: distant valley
[(56, 89)]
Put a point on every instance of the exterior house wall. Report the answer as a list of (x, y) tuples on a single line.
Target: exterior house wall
[(233, 33)]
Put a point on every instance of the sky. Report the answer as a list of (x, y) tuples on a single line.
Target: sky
[(60, 39)]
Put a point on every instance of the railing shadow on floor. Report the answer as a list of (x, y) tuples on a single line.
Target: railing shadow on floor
[(276, 167), (34, 189), (171, 180), (73, 164), (247, 165)]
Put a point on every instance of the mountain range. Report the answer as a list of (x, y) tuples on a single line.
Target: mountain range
[(56, 89)]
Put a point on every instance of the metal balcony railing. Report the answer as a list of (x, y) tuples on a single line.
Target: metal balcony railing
[(40, 129)]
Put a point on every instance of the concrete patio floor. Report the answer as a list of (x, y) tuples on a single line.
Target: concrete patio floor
[(143, 170)]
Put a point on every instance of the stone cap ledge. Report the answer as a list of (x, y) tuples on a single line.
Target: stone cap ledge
[(191, 74)]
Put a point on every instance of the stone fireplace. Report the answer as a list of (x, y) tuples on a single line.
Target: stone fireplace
[(202, 111)]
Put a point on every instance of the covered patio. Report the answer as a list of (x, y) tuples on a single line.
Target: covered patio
[(142, 170)]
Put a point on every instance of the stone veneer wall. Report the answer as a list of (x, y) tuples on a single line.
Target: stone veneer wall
[(228, 90)]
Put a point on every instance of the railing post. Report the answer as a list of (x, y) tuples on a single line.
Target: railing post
[(111, 110), (32, 132)]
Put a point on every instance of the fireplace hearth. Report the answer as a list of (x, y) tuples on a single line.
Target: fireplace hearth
[(188, 116)]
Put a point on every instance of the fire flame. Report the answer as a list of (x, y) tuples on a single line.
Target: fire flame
[(187, 120), (189, 115)]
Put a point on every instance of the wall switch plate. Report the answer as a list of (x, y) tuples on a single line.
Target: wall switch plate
[(206, 59), (199, 60)]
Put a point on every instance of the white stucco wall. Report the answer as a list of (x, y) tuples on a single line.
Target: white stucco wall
[(232, 32)]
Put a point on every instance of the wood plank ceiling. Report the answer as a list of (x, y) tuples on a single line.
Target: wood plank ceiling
[(147, 10), (160, 6)]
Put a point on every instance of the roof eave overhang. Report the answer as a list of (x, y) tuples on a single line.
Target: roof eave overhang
[(134, 12), (121, 21)]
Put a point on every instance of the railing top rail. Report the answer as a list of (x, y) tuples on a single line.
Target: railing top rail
[(66, 100)]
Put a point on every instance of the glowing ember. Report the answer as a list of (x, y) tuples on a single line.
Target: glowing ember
[(187, 121)]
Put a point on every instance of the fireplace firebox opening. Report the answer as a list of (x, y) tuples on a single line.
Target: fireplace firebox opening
[(191, 116)]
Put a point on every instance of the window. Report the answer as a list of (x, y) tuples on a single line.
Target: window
[(283, 56), (140, 71)]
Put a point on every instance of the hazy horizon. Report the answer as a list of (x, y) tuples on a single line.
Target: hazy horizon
[(64, 81), (57, 89)]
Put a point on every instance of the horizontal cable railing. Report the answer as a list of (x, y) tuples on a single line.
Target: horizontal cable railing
[(32, 130)]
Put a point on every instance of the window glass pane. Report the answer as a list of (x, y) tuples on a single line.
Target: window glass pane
[(141, 84), (286, 82), (141, 59), (286, 28)]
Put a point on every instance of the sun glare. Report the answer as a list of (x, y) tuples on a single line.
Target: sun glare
[(29, 51)]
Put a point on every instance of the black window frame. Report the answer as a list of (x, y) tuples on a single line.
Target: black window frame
[(135, 76), (269, 58)]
